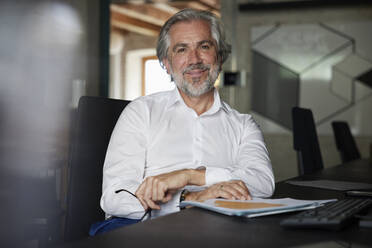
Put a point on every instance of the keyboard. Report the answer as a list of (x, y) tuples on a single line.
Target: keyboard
[(334, 215)]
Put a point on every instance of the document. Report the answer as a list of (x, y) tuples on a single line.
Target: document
[(255, 207)]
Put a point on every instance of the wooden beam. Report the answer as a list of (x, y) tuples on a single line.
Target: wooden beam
[(119, 30), (188, 4), (211, 4), (144, 12), (147, 19), (194, 5), (119, 20), (166, 8)]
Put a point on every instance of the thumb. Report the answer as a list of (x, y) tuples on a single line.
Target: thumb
[(167, 197)]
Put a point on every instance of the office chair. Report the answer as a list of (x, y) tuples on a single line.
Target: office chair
[(95, 120), (345, 141), (305, 141)]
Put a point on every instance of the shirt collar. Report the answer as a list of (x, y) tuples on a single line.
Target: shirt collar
[(174, 98), (218, 104)]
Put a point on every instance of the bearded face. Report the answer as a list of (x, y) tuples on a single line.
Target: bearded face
[(196, 87), (192, 57)]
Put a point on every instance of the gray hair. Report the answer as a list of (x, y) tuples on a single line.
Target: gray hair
[(223, 48)]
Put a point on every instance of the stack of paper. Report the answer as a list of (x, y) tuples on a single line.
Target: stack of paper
[(255, 207)]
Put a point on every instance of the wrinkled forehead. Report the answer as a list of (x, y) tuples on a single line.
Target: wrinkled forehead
[(185, 31)]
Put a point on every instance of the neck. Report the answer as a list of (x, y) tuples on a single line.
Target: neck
[(199, 104)]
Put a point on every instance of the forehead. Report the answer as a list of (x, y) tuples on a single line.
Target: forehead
[(190, 31)]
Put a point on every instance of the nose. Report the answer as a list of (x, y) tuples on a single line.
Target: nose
[(194, 57)]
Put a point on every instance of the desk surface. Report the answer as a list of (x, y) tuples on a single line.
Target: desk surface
[(201, 228)]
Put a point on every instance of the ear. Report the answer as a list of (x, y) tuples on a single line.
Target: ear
[(167, 65)]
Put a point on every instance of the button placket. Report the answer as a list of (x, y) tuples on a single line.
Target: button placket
[(198, 141)]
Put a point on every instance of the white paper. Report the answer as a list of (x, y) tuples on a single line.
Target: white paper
[(287, 205)]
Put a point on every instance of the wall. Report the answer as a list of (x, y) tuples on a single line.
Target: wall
[(278, 138), (134, 46), (45, 46), (116, 48), (133, 82)]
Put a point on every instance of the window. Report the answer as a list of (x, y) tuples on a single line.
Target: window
[(154, 77)]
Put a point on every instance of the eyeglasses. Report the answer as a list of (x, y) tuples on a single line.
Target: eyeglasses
[(148, 211)]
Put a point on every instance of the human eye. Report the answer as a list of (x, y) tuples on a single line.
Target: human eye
[(180, 50), (205, 46)]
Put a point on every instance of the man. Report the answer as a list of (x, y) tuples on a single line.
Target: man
[(169, 141)]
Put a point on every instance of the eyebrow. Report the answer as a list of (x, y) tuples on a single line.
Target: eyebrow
[(186, 44), (179, 45)]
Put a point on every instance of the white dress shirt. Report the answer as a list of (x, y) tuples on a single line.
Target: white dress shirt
[(158, 133)]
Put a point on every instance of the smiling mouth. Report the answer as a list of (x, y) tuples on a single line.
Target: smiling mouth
[(196, 72)]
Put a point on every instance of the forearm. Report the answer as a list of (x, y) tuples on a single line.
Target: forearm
[(232, 190), (196, 176), (192, 196), (258, 178)]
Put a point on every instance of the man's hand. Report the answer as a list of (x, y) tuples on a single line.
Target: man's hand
[(231, 190), (160, 189)]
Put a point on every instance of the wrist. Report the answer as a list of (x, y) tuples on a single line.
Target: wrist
[(191, 196), (196, 176)]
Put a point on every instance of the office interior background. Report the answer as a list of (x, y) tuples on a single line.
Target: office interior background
[(316, 56)]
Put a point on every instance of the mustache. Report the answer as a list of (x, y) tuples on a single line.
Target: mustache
[(196, 67)]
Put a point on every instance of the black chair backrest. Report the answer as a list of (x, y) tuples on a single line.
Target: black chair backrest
[(305, 141), (95, 120), (345, 141)]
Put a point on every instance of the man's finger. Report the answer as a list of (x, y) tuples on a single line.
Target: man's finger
[(242, 188), (225, 194), (234, 192), (151, 204), (167, 197), (154, 186), (143, 203), (242, 191), (148, 188), (140, 189)]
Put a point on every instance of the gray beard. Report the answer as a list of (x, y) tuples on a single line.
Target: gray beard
[(193, 89)]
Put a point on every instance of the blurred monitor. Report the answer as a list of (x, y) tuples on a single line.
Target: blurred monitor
[(229, 78)]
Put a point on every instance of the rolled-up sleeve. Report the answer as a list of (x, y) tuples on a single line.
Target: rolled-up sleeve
[(252, 165)]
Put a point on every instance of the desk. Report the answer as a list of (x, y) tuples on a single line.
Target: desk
[(196, 227)]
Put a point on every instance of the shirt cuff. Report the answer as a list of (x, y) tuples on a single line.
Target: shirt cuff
[(121, 204), (215, 175)]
